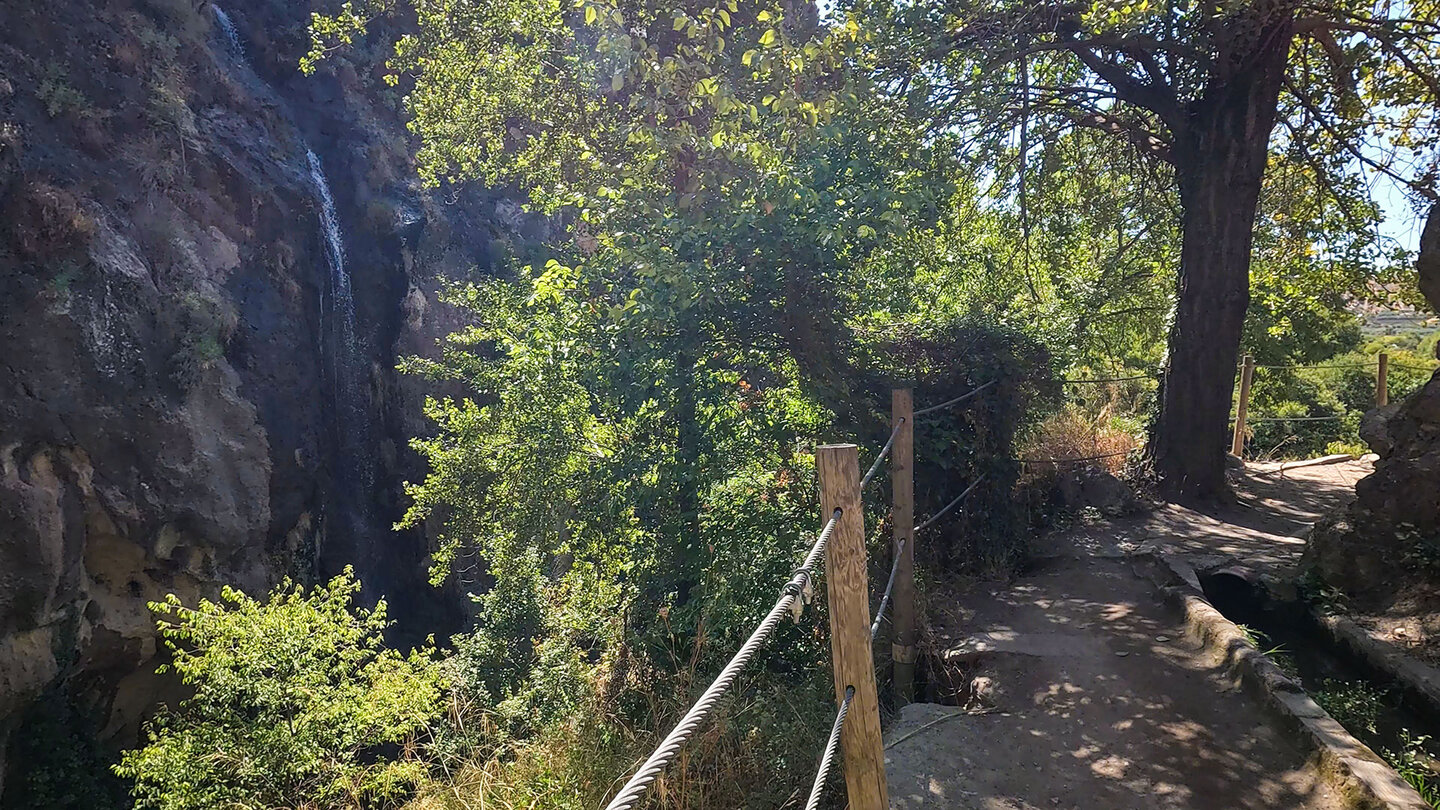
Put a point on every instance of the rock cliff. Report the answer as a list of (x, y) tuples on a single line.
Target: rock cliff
[(208, 267), (1389, 538)]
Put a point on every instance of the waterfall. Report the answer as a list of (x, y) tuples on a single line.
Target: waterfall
[(339, 344), (342, 304), (227, 27)]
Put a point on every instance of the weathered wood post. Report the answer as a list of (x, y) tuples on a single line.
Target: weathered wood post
[(1247, 374), (902, 515), (1382, 380), (847, 583)]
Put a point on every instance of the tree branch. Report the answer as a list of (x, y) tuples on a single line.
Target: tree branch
[(1144, 140)]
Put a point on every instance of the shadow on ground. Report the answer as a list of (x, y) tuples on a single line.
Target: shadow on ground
[(1099, 698)]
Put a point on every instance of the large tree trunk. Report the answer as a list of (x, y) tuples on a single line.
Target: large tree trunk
[(1220, 154)]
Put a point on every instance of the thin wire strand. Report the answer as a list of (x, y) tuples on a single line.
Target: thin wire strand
[(831, 746), (1149, 376), (949, 506), (1068, 460), (1300, 367), (630, 795), (884, 451), (889, 584), (957, 400), (1412, 368), (1292, 419)]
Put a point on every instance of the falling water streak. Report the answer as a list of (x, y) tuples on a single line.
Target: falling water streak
[(231, 34), (337, 319), (343, 303)]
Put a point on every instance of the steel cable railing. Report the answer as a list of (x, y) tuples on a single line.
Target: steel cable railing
[(889, 586), (956, 401), (1073, 459), (831, 746), (951, 505), (884, 451), (796, 588), (1149, 376), (630, 795), (1316, 367), (1293, 419)]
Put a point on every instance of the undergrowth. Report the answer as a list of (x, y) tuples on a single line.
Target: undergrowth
[(1359, 707)]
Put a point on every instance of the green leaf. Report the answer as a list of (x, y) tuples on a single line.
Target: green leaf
[(769, 37), (590, 15), (681, 21), (749, 56)]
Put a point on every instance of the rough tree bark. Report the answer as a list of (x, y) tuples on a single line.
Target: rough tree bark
[(1220, 152)]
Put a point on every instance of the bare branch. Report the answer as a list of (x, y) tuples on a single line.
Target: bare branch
[(1348, 146), (1147, 142)]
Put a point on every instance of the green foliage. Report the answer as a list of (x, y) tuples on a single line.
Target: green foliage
[(60, 97), (1355, 705), (296, 702), (202, 325), (1361, 708), (1306, 411), (54, 760), (1414, 762), (168, 110)]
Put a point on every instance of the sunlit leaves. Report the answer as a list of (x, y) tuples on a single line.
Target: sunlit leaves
[(295, 701)]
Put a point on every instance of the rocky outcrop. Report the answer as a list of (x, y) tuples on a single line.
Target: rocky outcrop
[(1391, 531), (176, 408)]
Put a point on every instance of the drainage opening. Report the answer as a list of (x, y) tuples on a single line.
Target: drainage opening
[(1396, 723), (949, 681)]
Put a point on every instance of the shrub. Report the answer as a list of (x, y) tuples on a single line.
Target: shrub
[(203, 325), (296, 703), (45, 221), (956, 445), (1312, 410), (54, 760), (59, 96)]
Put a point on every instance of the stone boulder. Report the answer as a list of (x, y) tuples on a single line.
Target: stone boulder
[(1094, 488), (1370, 547)]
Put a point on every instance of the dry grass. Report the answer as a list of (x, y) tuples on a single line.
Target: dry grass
[(46, 220), (1074, 434)]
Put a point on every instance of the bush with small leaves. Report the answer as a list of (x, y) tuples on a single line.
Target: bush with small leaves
[(297, 703)]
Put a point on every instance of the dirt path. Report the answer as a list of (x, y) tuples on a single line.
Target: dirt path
[(1099, 698)]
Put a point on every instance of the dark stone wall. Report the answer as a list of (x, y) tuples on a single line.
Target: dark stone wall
[(171, 417)]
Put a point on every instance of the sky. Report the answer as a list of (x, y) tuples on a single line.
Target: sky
[(1401, 223)]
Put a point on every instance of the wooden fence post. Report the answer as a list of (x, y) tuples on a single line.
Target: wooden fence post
[(1247, 374), (847, 585), (902, 515), (1382, 380)]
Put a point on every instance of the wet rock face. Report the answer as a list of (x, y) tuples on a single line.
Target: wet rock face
[(1374, 544), (170, 417)]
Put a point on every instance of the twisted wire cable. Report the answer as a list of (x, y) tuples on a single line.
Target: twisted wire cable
[(1292, 419), (949, 506), (947, 403), (884, 451), (1076, 458), (889, 584), (831, 746), (1301, 366), (634, 790), (1148, 376)]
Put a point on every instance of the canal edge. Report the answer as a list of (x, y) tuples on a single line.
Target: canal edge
[(1364, 780)]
